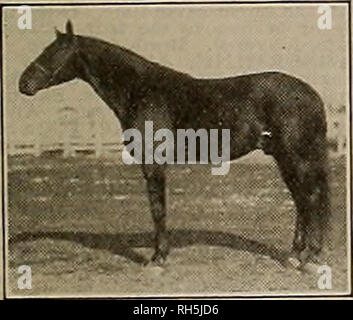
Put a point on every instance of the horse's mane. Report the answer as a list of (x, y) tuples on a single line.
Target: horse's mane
[(112, 52)]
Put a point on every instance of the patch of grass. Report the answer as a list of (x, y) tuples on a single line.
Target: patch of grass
[(67, 217)]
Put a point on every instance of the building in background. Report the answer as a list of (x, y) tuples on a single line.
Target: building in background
[(90, 132), (336, 128)]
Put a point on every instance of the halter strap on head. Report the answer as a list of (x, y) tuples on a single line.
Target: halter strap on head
[(57, 70), (40, 67)]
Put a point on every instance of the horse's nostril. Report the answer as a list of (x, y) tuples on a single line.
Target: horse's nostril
[(26, 88), (22, 87)]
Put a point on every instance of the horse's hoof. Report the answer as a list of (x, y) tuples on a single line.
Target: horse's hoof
[(153, 270), (310, 267), (304, 261), (304, 256), (294, 263), (158, 260)]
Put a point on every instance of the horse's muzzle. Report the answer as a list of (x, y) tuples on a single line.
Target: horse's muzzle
[(26, 88)]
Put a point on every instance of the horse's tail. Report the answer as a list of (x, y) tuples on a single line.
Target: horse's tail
[(324, 181), (318, 154)]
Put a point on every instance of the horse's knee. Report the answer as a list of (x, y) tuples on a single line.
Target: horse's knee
[(298, 242), (153, 172)]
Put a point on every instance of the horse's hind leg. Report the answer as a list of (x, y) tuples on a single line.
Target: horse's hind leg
[(317, 209), (306, 177), (289, 176)]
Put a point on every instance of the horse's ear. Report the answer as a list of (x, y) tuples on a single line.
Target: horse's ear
[(57, 33), (69, 28)]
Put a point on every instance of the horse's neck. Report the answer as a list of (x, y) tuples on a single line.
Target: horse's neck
[(113, 72)]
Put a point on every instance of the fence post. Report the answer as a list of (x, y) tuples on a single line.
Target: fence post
[(67, 151), (340, 144), (37, 150), (11, 150), (98, 138), (98, 144)]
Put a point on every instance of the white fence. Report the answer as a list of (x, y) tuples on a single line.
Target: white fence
[(67, 149), (99, 149), (91, 141), (337, 134)]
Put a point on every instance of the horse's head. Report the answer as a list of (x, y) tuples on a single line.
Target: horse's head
[(55, 65)]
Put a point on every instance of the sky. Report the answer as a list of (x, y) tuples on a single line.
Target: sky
[(205, 41)]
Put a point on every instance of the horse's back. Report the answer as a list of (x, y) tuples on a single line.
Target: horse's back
[(285, 105), (275, 96)]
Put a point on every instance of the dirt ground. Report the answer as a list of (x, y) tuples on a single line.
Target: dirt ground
[(85, 228)]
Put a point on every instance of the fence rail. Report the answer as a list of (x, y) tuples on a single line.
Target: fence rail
[(337, 148), (66, 149)]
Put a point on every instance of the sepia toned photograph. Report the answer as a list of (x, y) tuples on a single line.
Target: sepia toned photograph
[(176, 150)]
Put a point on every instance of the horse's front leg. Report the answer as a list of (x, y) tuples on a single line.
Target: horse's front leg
[(155, 177)]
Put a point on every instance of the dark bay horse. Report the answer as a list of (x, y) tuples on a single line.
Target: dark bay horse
[(138, 90)]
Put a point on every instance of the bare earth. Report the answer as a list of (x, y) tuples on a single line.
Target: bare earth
[(85, 228)]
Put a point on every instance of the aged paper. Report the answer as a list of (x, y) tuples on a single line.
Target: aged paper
[(81, 221)]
